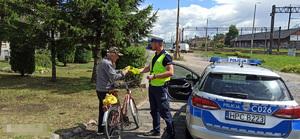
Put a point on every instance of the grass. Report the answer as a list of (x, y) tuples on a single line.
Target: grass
[(61, 105), (257, 49), (274, 62)]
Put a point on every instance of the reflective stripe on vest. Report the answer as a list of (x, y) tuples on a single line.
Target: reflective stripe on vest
[(158, 68)]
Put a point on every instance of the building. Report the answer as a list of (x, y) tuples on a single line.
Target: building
[(5, 51), (282, 39), (197, 41)]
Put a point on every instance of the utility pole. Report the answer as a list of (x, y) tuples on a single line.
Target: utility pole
[(290, 14), (279, 43), (279, 10), (206, 35), (272, 29), (253, 28), (177, 32)]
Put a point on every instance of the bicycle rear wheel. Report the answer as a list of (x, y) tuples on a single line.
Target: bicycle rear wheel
[(113, 127), (134, 112)]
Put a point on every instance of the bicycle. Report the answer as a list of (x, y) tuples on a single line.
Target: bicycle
[(115, 117)]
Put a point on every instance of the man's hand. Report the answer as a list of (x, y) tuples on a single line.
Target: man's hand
[(129, 73)]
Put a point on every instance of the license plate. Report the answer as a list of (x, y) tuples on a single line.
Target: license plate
[(245, 117)]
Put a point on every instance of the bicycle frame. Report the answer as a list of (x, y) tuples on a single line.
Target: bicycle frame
[(117, 113), (126, 102)]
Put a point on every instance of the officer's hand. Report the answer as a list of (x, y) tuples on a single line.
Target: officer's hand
[(150, 77)]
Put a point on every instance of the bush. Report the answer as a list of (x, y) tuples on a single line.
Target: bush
[(237, 53), (22, 58), (6, 58), (44, 52), (135, 57), (82, 55), (219, 45), (291, 68), (66, 54), (42, 60)]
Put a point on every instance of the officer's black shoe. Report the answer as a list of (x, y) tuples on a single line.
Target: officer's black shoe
[(170, 136), (152, 133)]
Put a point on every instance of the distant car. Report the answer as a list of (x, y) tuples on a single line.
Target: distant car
[(235, 101), (149, 47), (182, 47)]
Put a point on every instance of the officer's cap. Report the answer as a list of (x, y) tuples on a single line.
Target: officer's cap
[(156, 38)]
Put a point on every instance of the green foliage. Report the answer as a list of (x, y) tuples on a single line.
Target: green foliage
[(38, 68), (65, 53), (82, 55), (237, 53), (133, 56), (219, 45), (44, 52), (42, 60), (218, 37), (232, 33), (22, 58), (6, 58), (291, 68)]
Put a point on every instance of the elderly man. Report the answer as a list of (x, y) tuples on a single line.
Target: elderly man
[(106, 77), (161, 69)]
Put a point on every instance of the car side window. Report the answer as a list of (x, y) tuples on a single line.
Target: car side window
[(252, 86), (180, 72)]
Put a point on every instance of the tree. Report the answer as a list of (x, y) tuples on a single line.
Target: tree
[(82, 55), (218, 37), (109, 23), (3, 12), (65, 52), (22, 35), (233, 32), (50, 17)]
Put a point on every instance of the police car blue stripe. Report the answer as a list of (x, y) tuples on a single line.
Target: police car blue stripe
[(296, 124), (209, 119), (247, 107)]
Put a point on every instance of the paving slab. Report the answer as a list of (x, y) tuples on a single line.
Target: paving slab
[(178, 113)]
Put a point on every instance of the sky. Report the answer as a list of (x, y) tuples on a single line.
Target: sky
[(219, 13)]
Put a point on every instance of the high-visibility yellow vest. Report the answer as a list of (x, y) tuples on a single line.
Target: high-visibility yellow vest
[(158, 68)]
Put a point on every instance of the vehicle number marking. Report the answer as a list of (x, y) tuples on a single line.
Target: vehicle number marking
[(245, 117), (261, 109)]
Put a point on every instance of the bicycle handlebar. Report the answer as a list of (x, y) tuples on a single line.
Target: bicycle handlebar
[(125, 84)]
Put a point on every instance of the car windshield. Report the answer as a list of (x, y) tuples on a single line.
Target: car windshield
[(246, 87)]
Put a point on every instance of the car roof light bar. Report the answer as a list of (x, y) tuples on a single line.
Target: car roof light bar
[(235, 60)]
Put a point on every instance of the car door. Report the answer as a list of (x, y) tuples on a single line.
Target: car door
[(181, 83)]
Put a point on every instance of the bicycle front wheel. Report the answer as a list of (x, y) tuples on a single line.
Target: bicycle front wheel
[(134, 112), (113, 126)]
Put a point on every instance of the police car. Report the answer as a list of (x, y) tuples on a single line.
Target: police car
[(235, 99)]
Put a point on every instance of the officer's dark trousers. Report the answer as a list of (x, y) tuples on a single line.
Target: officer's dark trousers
[(101, 96), (159, 106)]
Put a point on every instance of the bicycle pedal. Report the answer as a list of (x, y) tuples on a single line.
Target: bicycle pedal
[(127, 123)]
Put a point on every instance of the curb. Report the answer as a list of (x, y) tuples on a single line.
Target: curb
[(142, 103)]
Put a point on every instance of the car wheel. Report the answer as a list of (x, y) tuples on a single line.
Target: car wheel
[(172, 51), (182, 51), (187, 134)]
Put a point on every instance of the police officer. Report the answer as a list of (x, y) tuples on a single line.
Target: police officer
[(161, 69)]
